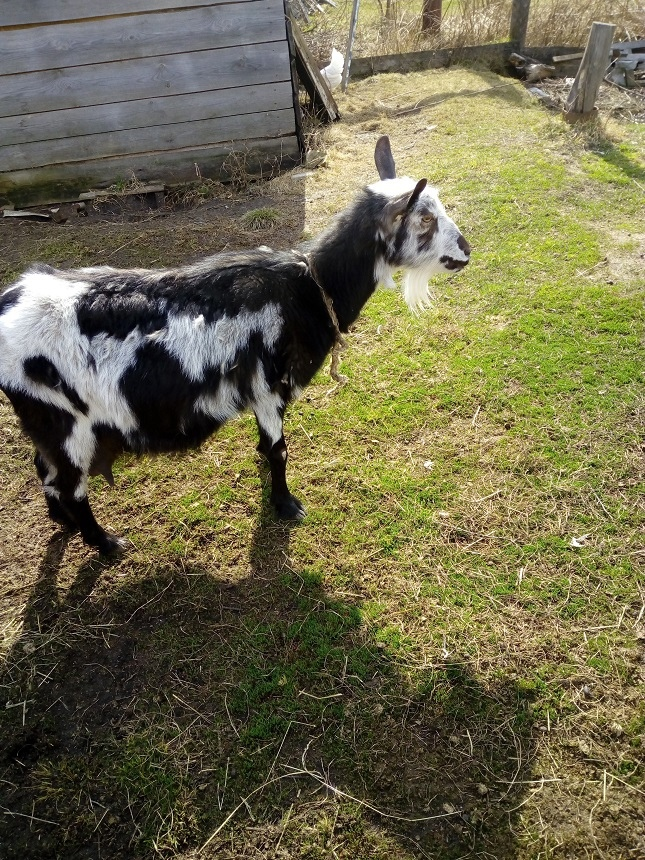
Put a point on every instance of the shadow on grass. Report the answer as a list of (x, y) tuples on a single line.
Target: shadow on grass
[(415, 100), (623, 162), (152, 713), (619, 158)]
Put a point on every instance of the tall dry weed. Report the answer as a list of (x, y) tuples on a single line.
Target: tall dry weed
[(394, 26), (569, 23)]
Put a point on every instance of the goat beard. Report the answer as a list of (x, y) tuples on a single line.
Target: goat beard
[(416, 290)]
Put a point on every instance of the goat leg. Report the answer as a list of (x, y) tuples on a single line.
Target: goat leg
[(287, 506), (56, 511), (66, 489), (91, 531)]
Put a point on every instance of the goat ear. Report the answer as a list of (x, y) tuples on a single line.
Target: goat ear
[(421, 184), (384, 158)]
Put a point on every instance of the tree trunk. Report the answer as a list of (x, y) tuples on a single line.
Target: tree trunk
[(519, 22), (431, 17)]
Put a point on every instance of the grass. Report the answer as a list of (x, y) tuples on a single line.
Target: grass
[(445, 659), (263, 218)]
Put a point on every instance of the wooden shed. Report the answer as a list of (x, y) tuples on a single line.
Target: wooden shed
[(94, 93)]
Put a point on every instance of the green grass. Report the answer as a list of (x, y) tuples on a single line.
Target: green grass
[(260, 219), (445, 659)]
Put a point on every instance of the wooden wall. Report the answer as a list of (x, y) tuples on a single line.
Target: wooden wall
[(94, 91)]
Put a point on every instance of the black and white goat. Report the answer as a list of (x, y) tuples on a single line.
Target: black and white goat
[(98, 361)]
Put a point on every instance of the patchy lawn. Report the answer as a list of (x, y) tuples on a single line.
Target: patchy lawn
[(447, 658)]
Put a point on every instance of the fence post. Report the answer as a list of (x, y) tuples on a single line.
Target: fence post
[(593, 67), (519, 22), (350, 45)]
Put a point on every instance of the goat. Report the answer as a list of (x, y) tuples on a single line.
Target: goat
[(98, 361)]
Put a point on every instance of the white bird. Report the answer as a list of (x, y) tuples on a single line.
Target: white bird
[(334, 71)]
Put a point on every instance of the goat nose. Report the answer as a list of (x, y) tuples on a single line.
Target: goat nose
[(463, 245), (453, 265)]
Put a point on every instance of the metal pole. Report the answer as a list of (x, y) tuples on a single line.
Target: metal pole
[(350, 43)]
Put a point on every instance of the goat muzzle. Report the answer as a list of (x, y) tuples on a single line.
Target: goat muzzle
[(453, 265), (457, 265)]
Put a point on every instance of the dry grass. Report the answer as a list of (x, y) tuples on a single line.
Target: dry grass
[(466, 23)]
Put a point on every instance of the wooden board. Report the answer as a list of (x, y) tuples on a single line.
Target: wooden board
[(582, 96), (567, 58), (268, 124), (94, 92), (171, 74), (78, 43), (311, 79), (295, 87), (101, 119), (14, 13), (65, 182)]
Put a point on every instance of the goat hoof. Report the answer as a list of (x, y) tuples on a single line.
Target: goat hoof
[(290, 508), (111, 545)]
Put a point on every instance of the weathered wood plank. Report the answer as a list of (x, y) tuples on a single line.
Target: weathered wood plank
[(78, 43), (106, 83), (295, 95), (567, 58), (101, 119), (582, 97), (63, 182), (14, 14), (311, 78), (349, 50), (174, 136)]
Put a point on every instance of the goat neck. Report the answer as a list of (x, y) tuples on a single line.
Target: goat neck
[(343, 258)]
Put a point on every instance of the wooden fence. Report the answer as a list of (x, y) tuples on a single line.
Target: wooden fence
[(92, 93)]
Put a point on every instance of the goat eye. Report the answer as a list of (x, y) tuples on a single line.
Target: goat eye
[(427, 219)]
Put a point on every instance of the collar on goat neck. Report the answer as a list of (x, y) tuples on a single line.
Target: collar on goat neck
[(339, 341)]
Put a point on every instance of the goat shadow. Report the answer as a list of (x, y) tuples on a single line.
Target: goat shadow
[(143, 713)]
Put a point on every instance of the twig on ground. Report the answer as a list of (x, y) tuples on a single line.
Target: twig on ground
[(30, 817)]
